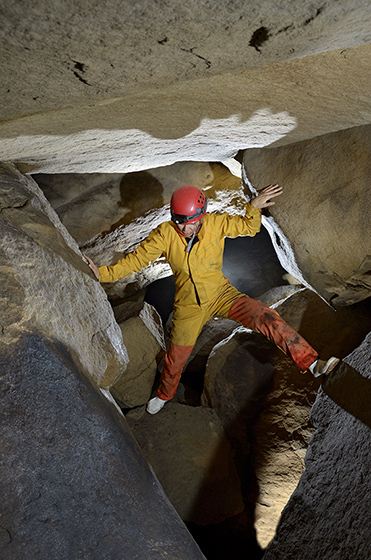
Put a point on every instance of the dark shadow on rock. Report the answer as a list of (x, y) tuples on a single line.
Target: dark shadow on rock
[(261, 269), (140, 192), (160, 294), (74, 483), (235, 537), (351, 391)]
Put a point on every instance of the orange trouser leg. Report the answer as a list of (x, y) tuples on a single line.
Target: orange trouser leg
[(257, 316), (174, 363)]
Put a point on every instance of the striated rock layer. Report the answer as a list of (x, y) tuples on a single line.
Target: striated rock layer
[(46, 284), (208, 119)]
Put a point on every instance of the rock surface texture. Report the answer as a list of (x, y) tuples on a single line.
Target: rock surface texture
[(208, 119), (143, 337), (328, 515), (192, 458), (84, 52), (264, 402), (46, 284), (326, 189), (73, 481)]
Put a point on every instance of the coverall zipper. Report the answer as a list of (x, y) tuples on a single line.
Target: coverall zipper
[(194, 239)]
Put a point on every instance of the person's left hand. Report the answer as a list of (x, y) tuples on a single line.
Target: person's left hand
[(263, 199)]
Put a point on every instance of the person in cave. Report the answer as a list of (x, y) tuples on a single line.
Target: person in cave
[(193, 243)]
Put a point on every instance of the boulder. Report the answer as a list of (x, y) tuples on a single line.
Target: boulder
[(46, 284), (238, 373), (142, 335), (328, 514), (284, 428), (192, 459), (93, 212), (331, 331), (73, 481), (324, 211)]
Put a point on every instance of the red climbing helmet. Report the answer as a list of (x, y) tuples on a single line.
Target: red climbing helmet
[(188, 205)]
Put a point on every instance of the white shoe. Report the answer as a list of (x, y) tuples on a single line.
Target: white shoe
[(155, 405), (321, 367)]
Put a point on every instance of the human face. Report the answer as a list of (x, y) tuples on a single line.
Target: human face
[(189, 229)]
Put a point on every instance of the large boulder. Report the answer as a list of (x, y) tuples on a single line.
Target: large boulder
[(192, 458), (264, 401), (47, 286), (238, 373), (328, 514), (284, 428), (73, 482), (324, 211)]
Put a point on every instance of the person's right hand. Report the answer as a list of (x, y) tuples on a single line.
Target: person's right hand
[(92, 266)]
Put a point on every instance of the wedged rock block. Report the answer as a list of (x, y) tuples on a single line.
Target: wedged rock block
[(238, 374), (268, 415), (192, 458), (143, 337), (73, 482)]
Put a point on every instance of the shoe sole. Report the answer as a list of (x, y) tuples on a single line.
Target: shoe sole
[(331, 366)]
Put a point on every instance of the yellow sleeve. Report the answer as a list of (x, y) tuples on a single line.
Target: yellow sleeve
[(149, 250), (234, 226)]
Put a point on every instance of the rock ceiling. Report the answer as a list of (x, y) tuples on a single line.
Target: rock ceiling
[(126, 87)]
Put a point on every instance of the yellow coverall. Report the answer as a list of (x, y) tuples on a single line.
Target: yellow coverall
[(202, 291)]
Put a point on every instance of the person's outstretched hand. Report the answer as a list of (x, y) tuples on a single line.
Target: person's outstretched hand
[(92, 266), (263, 200)]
